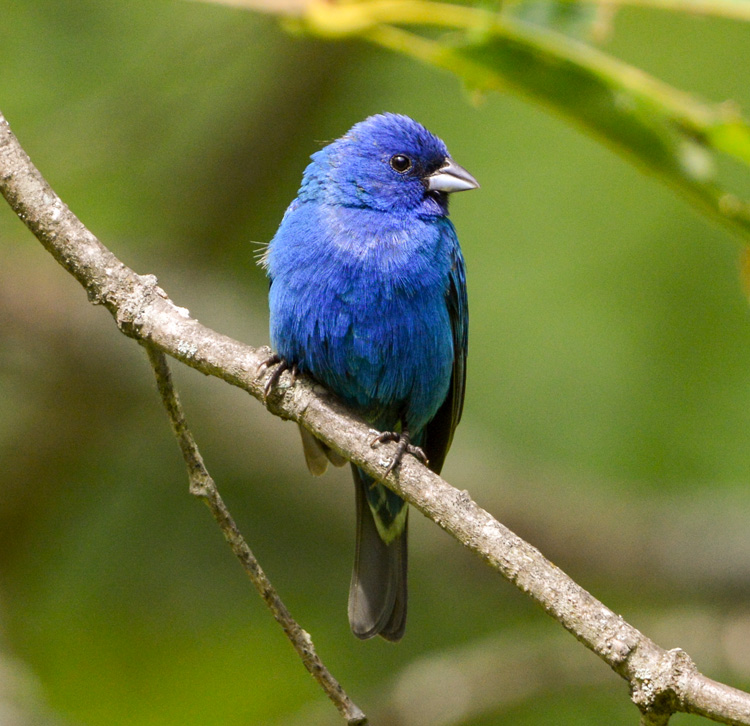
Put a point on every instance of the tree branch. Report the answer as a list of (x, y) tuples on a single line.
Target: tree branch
[(203, 486), (661, 682)]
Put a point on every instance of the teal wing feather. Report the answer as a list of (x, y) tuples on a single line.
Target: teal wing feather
[(438, 434)]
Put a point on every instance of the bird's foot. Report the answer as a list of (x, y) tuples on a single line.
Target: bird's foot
[(281, 365), (404, 447)]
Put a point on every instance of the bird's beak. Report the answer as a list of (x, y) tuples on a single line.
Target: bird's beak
[(451, 177)]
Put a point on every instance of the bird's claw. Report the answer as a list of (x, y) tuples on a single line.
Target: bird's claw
[(404, 447), (281, 365)]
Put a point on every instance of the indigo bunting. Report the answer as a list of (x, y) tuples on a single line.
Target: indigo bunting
[(368, 296)]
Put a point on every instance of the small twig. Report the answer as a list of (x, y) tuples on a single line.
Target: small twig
[(203, 486)]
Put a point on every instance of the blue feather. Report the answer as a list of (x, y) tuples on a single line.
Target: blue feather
[(368, 295)]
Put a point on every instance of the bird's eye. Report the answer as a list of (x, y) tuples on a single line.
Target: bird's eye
[(400, 163)]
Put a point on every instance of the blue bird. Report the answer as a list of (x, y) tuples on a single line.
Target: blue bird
[(368, 296)]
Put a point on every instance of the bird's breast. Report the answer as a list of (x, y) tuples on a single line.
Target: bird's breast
[(364, 311)]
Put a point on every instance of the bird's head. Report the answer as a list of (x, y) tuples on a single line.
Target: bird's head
[(387, 162)]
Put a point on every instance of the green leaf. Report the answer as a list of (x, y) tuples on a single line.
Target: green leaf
[(659, 128), (576, 19), (655, 126)]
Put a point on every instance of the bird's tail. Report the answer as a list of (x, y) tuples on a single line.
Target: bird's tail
[(377, 595)]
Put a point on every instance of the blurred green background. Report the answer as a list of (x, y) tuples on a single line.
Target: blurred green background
[(607, 417)]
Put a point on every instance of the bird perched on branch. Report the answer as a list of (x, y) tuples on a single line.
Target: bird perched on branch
[(368, 295)]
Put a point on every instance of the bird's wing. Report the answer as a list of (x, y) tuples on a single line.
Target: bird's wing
[(439, 432)]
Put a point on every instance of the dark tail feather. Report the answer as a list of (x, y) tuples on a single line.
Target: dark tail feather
[(377, 595)]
